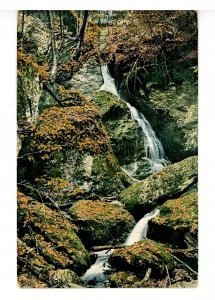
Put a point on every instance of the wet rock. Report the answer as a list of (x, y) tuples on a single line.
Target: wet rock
[(178, 219), (141, 197), (101, 223), (141, 256), (173, 114), (125, 135), (52, 235)]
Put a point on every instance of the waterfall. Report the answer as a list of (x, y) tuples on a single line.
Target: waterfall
[(95, 275), (153, 148), (139, 231), (109, 82)]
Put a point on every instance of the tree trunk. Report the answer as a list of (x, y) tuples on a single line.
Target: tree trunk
[(54, 49), (77, 51)]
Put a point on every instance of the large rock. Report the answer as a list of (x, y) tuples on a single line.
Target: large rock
[(71, 153), (126, 136), (51, 234), (87, 79), (173, 114), (172, 181), (141, 256), (177, 221), (101, 223)]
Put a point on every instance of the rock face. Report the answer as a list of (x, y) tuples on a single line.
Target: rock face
[(125, 135), (101, 223), (141, 256), (175, 179), (52, 235), (36, 31), (87, 79), (173, 114), (178, 218)]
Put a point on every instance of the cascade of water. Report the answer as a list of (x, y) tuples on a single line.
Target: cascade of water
[(153, 148), (96, 273), (109, 82), (139, 231)]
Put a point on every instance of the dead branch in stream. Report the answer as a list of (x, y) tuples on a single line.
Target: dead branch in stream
[(106, 247)]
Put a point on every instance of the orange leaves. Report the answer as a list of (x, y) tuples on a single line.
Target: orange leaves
[(60, 128), (27, 63)]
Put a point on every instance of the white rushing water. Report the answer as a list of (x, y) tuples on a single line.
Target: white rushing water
[(153, 148), (139, 231), (95, 275)]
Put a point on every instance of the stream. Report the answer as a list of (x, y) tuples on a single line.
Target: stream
[(95, 276)]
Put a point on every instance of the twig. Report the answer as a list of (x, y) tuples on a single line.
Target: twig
[(167, 271), (148, 273), (185, 264)]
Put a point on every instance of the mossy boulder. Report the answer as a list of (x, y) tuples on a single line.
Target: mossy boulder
[(141, 197), (126, 136), (70, 146), (64, 279), (122, 279), (51, 234), (177, 218), (141, 256), (127, 279), (101, 223)]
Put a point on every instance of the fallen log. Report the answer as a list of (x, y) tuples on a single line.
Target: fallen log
[(106, 247)]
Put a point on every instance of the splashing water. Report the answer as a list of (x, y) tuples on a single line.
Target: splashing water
[(95, 275), (109, 82), (153, 148), (139, 231)]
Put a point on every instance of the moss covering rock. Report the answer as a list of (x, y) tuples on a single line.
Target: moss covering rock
[(101, 223), (64, 279), (51, 234), (141, 197), (177, 218), (141, 256), (70, 146), (125, 135)]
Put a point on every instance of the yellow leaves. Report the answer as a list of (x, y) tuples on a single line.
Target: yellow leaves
[(30, 158), (45, 156)]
